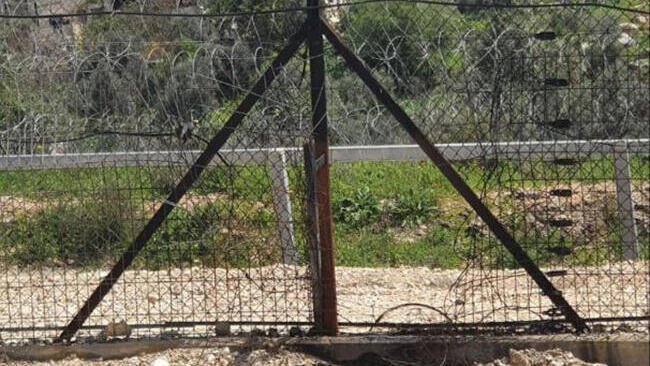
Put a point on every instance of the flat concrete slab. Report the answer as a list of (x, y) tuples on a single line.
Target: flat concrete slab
[(114, 350)]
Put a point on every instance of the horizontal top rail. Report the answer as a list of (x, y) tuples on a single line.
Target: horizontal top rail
[(453, 152)]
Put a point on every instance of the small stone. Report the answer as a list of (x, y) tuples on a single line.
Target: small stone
[(627, 26), (296, 332), (210, 357), (598, 328), (257, 206), (624, 328), (222, 329), (117, 329), (257, 333), (272, 332), (626, 40), (160, 362), (517, 358)]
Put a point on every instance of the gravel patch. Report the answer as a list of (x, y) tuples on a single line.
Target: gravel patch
[(195, 356), (531, 357), (282, 357), (45, 297)]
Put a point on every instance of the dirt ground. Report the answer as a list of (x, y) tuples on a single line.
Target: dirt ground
[(46, 296), (531, 357), (206, 356), (282, 357)]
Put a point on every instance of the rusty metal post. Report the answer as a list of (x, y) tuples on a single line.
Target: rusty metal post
[(321, 152), (311, 226)]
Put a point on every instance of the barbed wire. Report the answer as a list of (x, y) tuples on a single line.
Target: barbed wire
[(327, 6)]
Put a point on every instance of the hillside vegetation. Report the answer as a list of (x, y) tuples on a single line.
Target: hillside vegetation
[(465, 74)]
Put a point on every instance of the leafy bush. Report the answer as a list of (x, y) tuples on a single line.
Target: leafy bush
[(412, 208), (77, 235), (363, 209), (378, 30), (215, 237), (357, 211)]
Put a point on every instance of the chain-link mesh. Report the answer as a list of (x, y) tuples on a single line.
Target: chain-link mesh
[(543, 110), (101, 117), (552, 107)]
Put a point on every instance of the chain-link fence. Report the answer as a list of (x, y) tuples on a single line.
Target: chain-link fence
[(102, 116), (541, 107), (552, 105)]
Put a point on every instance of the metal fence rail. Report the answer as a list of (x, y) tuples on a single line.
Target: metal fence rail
[(277, 160), (454, 152)]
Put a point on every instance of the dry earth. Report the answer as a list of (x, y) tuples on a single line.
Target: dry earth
[(50, 297), (591, 208), (204, 357), (282, 357), (531, 357)]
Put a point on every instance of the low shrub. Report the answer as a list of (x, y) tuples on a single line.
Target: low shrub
[(77, 235), (359, 210), (412, 208)]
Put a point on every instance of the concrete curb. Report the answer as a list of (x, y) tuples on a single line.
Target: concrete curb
[(113, 350)]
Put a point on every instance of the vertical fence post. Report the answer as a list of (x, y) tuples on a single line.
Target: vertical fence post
[(277, 166), (311, 228), (624, 201), (322, 175)]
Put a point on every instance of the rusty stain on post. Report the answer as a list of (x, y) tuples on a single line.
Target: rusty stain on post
[(311, 224)]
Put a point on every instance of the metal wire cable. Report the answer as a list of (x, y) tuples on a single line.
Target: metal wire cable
[(327, 6)]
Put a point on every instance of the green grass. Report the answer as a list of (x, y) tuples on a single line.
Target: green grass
[(367, 249), (95, 213)]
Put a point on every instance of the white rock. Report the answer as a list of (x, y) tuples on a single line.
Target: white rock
[(160, 362), (627, 26), (625, 39)]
